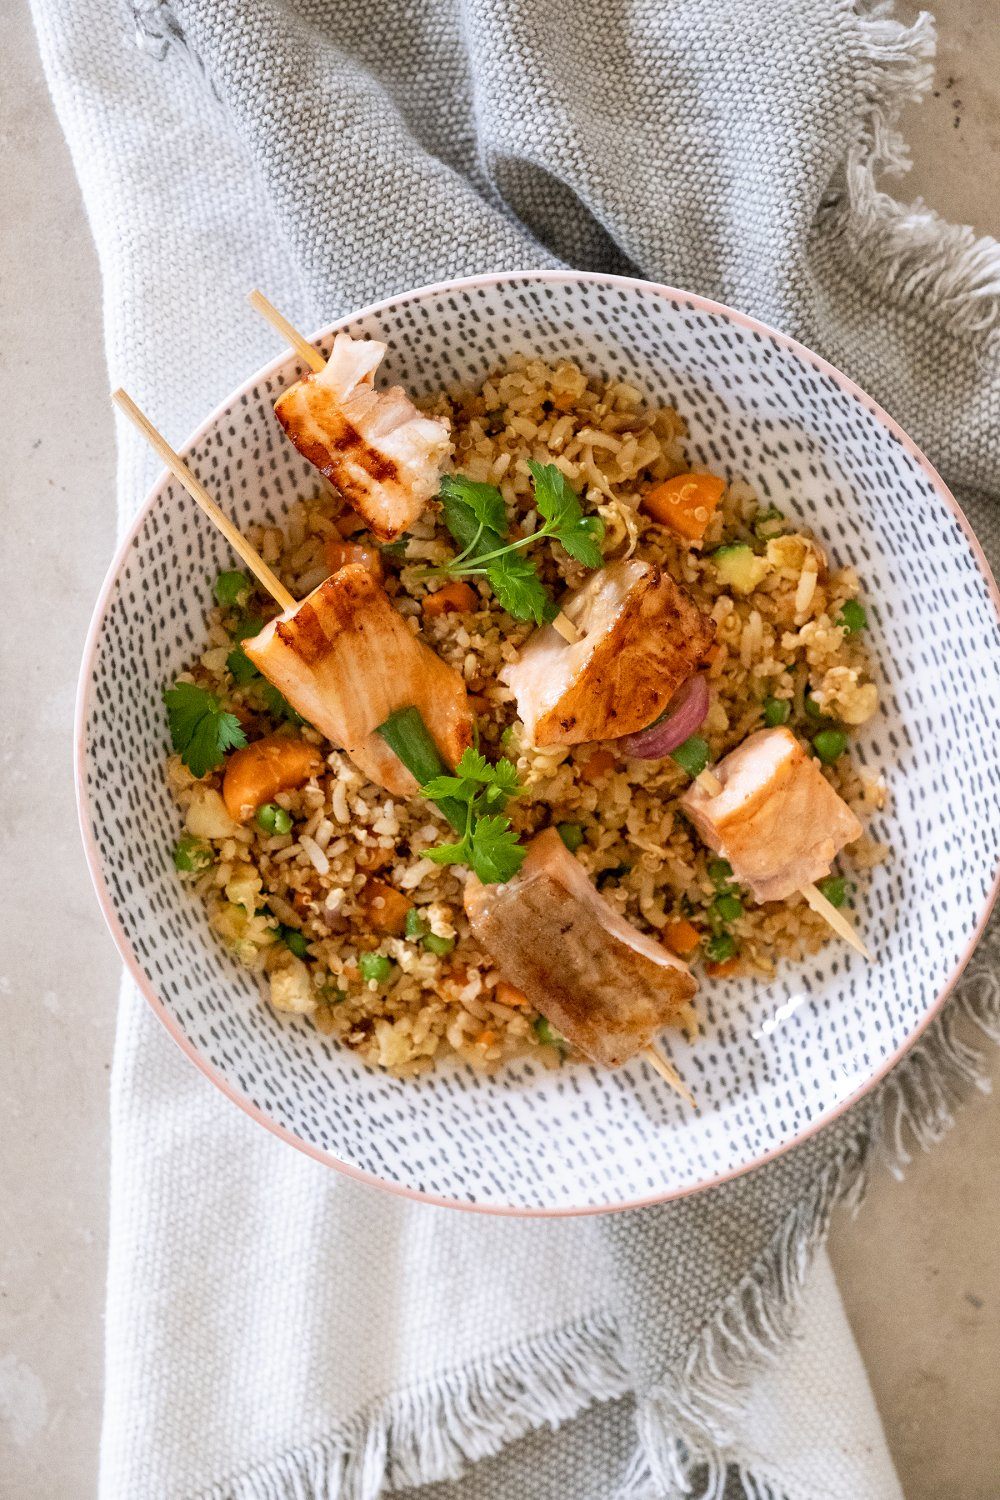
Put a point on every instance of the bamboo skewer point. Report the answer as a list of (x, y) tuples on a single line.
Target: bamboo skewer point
[(668, 1073)]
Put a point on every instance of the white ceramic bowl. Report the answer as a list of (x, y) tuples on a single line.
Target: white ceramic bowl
[(776, 1061)]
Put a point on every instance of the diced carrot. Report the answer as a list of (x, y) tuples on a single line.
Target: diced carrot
[(599, 764), (337, 554), (723, 970), (685, 503), (712, 654), (681, 938), (486, 1038), (507, 994), (258, 772), (454, 597), (385, 907)]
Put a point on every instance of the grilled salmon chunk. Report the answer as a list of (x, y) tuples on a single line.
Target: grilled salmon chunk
[(382, 454), (606, 986), (777, 820), (641, 638), (345, 659)]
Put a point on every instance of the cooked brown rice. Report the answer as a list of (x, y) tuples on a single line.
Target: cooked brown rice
[(779, 641)]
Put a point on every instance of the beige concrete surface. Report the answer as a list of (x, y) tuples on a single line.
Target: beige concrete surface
[(918, 1267)]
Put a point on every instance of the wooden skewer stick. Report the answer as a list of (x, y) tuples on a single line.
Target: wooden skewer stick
[(668, 1073), (562, 623), (841, 926), (290, 334), (200, 495)]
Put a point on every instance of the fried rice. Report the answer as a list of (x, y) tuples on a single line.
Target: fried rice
[(350, 840)]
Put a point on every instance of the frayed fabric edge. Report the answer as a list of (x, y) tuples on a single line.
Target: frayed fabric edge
[(436, 1430), (911, 255), (686, 1432)]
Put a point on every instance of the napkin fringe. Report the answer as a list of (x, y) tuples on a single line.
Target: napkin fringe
[(686, 1432), (435, 1430), (910, 254)]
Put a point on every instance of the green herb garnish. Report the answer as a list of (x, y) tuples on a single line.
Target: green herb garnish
[(547, 1034), (200, 729), (488, 845), (476, 516)]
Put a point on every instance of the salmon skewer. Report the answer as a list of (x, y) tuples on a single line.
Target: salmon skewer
[(606, 986), (768, 809), (640, 638), (345, 660), (382, 454)]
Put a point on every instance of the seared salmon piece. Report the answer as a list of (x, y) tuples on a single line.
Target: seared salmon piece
[(777, 820), (345, 659), (383, 455), (641, 638), (606, 986)]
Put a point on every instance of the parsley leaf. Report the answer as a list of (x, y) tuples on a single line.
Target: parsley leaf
[(496, 853), (199, 729), (559, 508), (519, 589), (475, 515), (489, 845), (483, 500)]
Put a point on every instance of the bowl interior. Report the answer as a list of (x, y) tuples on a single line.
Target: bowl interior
[(775, 1059)]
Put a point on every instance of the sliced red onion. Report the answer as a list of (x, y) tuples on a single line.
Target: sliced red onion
[(684, 716)]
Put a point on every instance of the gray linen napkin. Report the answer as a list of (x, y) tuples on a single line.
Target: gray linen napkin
[(733, 150)]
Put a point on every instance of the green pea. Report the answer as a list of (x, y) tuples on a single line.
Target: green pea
[(720, 948), (812, 708), (294, 940), (230, 588), (416, 924), (720, 871), (727, 908), (776, 711), (273, 819), (191, 855), (693, 756), (439, 945), (834, 888), (375, 966), (829, 744), (571, 835), (852, 617)]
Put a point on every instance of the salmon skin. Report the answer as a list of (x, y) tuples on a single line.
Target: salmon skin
[(604, 984)]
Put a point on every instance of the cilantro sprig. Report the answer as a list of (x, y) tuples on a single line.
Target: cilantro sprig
[(488, 845), (200, 730), (476, 517), (473, 799)]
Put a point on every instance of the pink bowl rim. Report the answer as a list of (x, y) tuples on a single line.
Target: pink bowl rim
[(492, 279)]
